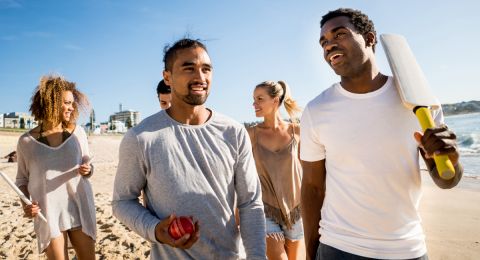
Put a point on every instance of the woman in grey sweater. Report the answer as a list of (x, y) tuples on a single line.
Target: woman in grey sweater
[(53, 169)]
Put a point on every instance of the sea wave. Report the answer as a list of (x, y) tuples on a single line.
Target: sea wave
[(469, 144)]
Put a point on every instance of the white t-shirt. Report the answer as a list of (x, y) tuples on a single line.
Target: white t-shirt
[(373, 182)]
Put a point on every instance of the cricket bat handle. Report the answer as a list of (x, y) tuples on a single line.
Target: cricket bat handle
[(444, 165), (20, 194), (28, 202)]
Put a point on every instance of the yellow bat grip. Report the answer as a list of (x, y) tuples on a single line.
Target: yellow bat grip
[(444, 165)]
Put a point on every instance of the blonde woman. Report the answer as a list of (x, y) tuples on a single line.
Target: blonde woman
[(53, 169), (275, 144)]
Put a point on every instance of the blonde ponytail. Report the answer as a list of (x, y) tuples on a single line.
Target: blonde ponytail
[(281, 90), (289, 103)]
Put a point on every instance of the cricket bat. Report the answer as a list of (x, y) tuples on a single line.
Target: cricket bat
[(20, 194), (414, 90)]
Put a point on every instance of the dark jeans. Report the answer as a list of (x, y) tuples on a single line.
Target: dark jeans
[(325, 252)]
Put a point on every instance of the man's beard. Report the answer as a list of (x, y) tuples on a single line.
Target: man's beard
[(195, 100)]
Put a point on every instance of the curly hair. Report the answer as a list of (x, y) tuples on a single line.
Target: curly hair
[(280, 89), (360, 21), (46, 102)]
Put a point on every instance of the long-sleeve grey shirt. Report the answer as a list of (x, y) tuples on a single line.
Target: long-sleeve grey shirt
[(191, 170)]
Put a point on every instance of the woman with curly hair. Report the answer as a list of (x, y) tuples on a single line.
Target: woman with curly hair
[(275, 144), (53, 169)]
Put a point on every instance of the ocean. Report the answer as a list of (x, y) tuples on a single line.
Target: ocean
[(467, 129)]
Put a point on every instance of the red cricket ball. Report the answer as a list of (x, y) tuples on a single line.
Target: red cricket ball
[(181, 226)]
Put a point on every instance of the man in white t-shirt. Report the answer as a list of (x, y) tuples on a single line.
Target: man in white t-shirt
[(362, 185)]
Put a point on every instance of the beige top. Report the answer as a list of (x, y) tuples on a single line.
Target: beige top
[(280, 174), (64, 196)]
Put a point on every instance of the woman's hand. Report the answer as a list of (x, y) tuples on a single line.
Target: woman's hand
[(32, 210), (85, 168)]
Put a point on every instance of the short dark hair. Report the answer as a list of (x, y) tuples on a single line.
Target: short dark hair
[(170, 52), (360, 21), (163, 88)]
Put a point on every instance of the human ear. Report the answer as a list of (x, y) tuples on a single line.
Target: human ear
[(166, 78), (276, 100), (370, 39)]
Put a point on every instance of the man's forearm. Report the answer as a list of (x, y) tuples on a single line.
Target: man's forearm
[(447, 184), (252, 229), (440, 182), (136, 217), (312, 201)]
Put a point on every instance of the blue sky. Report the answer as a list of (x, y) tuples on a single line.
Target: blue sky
[(113, 50)]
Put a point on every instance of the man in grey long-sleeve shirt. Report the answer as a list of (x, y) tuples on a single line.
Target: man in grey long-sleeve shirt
[(190, 161)]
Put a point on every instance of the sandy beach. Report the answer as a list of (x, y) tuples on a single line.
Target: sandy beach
[(451, 218)]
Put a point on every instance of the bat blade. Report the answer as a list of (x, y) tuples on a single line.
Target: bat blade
[(414, 90), (409, 79)]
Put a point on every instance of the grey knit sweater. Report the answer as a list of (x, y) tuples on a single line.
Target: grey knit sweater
[(192, 170)]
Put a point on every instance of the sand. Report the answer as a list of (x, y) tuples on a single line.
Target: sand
[(451, 218)]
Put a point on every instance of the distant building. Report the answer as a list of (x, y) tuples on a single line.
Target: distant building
[(1, 120), (18, 120), (129, 118), (117, 127)]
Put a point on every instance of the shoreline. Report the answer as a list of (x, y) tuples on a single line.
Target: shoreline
[(450, 219)]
